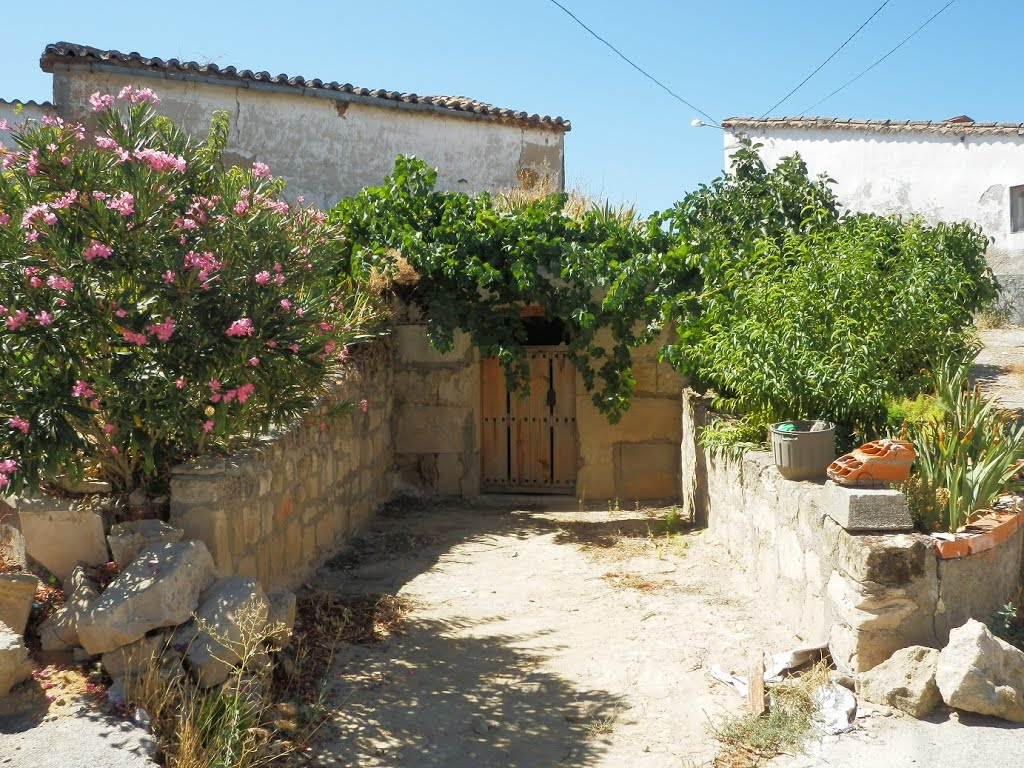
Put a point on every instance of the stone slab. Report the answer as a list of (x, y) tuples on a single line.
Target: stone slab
[(862, 509), (59, 537)]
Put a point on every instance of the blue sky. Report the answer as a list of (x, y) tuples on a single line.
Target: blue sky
[(630, 141)]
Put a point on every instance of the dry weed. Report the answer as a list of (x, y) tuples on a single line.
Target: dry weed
[(750, 740)]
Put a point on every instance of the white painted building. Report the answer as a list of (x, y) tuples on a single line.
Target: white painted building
[(327, 140), (952, 170)]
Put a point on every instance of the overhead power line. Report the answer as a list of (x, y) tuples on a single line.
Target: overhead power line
[(903, 42), (834, 53), (636, 66)]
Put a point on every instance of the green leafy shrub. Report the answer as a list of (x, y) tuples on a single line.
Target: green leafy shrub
[(799, 312), (156, 305), (910, 410), (602, 271), (965, 457)]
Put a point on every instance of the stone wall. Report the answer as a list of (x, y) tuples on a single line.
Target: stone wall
[(436, 429), (437, 425), (273, 512), (864, 594), (637, 458)]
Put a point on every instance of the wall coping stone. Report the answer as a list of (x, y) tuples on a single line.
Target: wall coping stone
[(864, 509)]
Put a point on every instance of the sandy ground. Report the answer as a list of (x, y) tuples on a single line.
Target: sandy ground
[(540, 639), (999, 367), (543, 638)]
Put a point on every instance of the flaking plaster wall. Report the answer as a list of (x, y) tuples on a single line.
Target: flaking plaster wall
[(326, 147)]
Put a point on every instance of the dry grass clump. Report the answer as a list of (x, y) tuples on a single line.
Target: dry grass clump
[(749, 740), (234, 725)]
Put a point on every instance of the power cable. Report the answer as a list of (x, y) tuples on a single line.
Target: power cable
[(903, 42), (826, 61), (635, 66)]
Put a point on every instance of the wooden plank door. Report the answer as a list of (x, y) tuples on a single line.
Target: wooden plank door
[(529, 443)]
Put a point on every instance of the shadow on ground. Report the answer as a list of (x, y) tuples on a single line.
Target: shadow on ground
[(441, 695)]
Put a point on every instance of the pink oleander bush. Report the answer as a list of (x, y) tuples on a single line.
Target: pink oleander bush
[(153, 303)]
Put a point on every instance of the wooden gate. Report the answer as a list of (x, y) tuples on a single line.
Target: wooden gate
[(529, 444)]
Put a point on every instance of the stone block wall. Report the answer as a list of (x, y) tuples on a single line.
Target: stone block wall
[(866, 595), (438, 421), (436, 426), (273, 512), (637, 458)]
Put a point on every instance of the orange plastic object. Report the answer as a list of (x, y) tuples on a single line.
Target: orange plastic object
[(880, 461)]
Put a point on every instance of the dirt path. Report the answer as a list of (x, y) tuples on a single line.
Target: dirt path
[(539, 639), (999, 367)]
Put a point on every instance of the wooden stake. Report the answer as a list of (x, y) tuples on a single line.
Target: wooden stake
[(755, 689)]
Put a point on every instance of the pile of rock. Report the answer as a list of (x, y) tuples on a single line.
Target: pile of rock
[(166, 611), (975, 672)]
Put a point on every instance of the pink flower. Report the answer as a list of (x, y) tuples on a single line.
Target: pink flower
[(208, 426), (32, 236), (254, 361), (18, 423), (161, 161), (113, 450), (35, 282), (4, 218), (105, 142), (272, 344), (241, 327), (120, 313), (81, 389), (59, 283), (15, 321), (32, 167), (4, 480), (299, 312), (167, 277), (4, 126), (180, 383), (163, 331), (109, 428), (7, 466), (138, 339), (364, 406), (230, 395), (285, 304), (241, 207), (277, 266), (65, 160), (123, 203), (44, 318), (260, 170), (262, 278), (278, 279), (294, 347), (214, 385), (244, 392), (100, 101), (97, 250)]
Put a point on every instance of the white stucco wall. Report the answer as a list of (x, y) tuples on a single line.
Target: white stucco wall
[(326, 149), (15, 113), (946, 177)]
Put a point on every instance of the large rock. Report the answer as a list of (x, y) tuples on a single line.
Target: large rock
[(12, 544), (135, 658), (17, 591), (14, 663), (58, 537), (978, 672), (160, 589), (60, 630), (906, 681), (281, 618), (231, 619), (127, 540)]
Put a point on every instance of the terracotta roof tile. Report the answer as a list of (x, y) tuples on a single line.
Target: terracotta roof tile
[(952, 126), (70, 53)]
